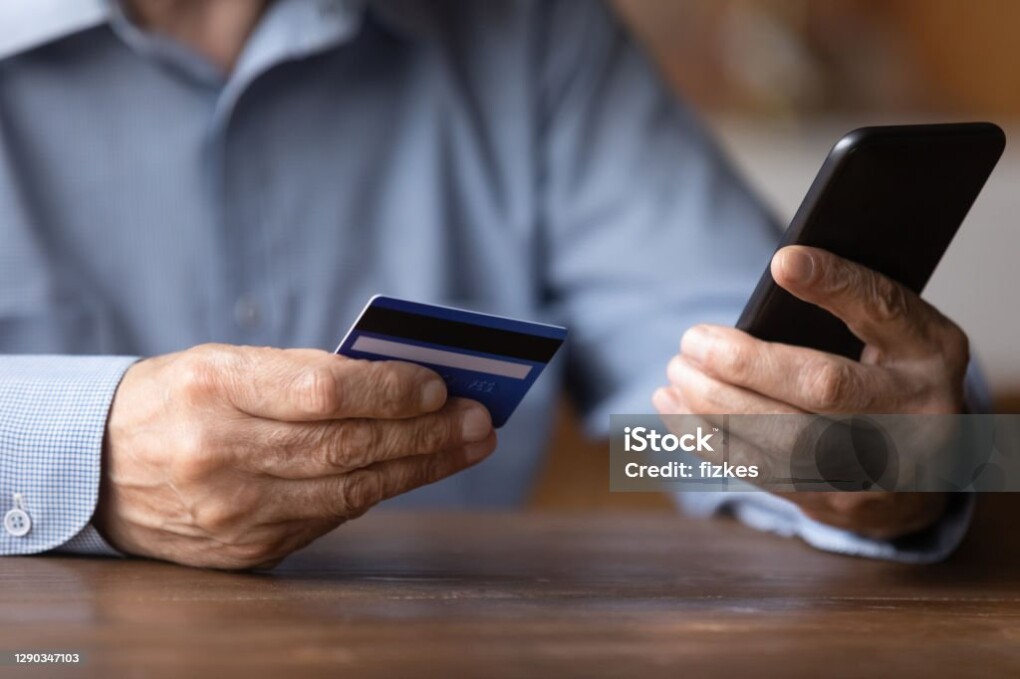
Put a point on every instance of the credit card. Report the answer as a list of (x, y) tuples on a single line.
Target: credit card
[(491, 359)]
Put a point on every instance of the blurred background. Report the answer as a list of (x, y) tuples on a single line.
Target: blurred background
[(779, 81)]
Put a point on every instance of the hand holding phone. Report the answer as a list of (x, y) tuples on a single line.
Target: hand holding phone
[(889, 198), (869, 234)]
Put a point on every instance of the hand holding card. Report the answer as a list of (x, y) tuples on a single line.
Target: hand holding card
[(491, 359)]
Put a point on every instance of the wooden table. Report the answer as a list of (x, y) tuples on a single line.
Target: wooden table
[(530, 595)]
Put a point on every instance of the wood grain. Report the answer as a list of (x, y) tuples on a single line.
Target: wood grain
[(497, 595)]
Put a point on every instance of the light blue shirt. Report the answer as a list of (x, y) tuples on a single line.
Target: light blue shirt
[(514, 157)]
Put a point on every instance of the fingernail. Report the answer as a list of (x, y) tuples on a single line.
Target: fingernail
[(475, 424), (797, 265), (477, 451), (663, 400), (674, 370), (694, 344), (433, 395)]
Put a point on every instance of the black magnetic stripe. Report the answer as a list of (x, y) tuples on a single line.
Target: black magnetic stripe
[(456, 334)]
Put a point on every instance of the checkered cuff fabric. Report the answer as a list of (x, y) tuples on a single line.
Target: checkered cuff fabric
[(53, 412), (89, 542)]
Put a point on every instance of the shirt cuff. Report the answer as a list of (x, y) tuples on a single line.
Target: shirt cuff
[(53, 412), (89, 542), (766, 512)]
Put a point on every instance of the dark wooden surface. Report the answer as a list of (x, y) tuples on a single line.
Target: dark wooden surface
[(493, 595)]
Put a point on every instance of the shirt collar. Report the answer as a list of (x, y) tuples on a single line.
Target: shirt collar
[(26, 24)]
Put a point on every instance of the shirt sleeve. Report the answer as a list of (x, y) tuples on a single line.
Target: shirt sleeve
[(53, 412), (650, 231), (773, 514)]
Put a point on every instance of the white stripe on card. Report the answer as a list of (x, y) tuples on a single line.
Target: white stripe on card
[(447, 359)]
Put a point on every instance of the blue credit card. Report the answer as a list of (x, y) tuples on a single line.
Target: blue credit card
[(491, 359)]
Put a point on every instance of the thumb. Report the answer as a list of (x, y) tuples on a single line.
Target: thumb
[(876, 309), (298, 385)]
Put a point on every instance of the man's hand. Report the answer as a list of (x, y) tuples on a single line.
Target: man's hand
[(233, 457), (914, 361)]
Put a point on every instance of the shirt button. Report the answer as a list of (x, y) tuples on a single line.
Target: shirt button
[(17, 522), (247, 312)]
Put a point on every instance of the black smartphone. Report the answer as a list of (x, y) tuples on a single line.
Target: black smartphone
[(890, 198)]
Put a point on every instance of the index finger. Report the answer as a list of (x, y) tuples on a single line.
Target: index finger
[(876, 309), (810, 380), (309, 385), (346, 496)]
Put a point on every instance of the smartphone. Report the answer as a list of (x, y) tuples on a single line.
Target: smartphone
[(889, 198)]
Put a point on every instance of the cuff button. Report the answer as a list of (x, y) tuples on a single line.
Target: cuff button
[(17, 522)]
